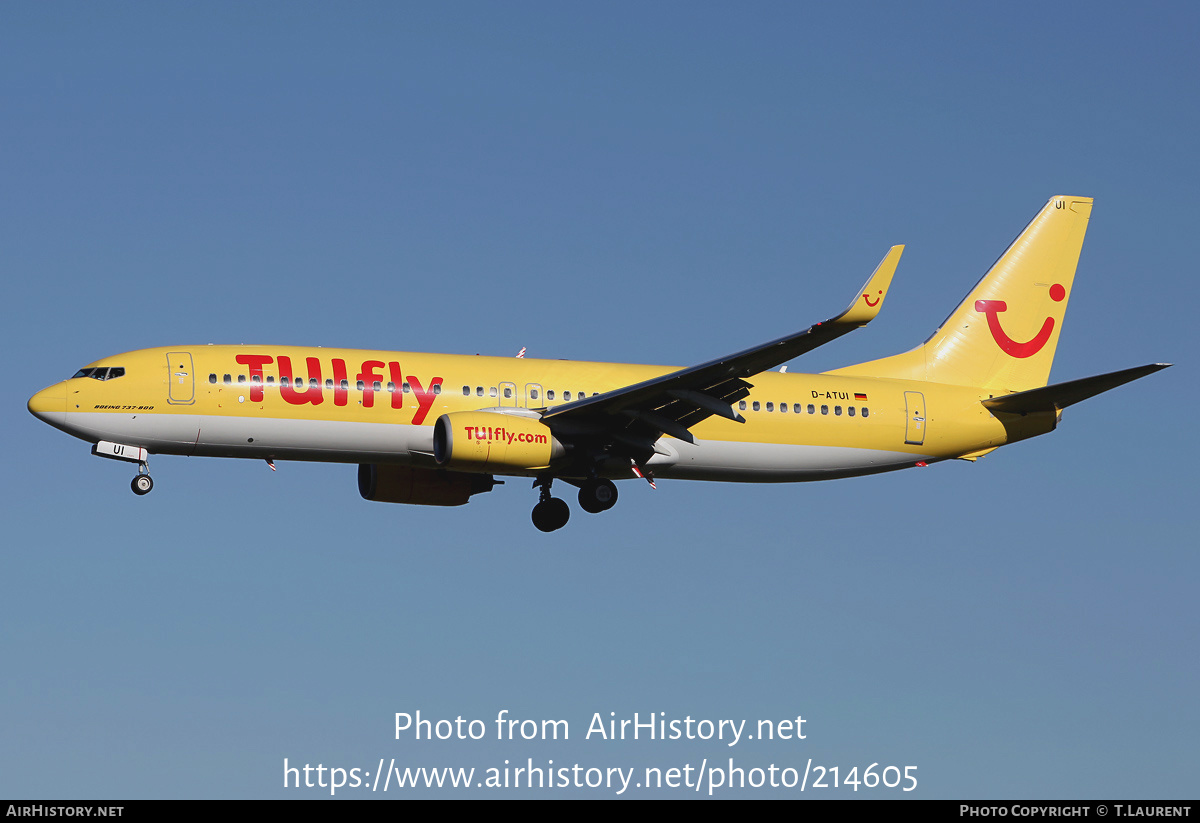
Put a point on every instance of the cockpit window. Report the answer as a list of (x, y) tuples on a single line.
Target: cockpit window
[(101, 373)]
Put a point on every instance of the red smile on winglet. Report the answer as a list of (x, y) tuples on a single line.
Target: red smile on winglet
[(992, 309), (867, 299)]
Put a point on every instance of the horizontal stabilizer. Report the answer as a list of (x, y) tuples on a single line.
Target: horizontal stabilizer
[(1061, 395)]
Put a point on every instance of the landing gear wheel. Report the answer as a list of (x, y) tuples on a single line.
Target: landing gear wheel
[(597, 496), (142, 484), (551, 514)]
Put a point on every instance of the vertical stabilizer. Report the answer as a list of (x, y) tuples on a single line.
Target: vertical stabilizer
[(1003, 335)]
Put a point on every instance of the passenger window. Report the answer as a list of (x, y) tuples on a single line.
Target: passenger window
[(479, 391), (850, 410), (507, 392), (837, 410), (361, 385), (755, 405), (345, 384), (742, 405), (255, 379), (533, 394), (283, 381), (377, 386), (229, 380), (313, 383), (241, 378), (466, 391), (212, 378), (770, 407), (405, 388), (797, 408), (437, 388), (550, 394), (783, 407), (824, 410), (566, 395), (270, 380), (864, 411), (491, 390), (812, 409)]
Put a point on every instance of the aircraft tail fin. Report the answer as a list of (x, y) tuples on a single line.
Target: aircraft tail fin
[(1003, 335)]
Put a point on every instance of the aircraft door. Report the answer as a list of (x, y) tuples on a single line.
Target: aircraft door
[(534, 397), (181, 382), (508, 394), (914, 431)]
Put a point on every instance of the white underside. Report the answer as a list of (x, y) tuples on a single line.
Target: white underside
[(347, 442)]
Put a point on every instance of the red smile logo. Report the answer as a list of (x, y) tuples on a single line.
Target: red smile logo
[(992, 309), (867, 299)]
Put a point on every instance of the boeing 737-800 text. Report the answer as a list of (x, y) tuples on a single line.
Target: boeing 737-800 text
[(435, 429)]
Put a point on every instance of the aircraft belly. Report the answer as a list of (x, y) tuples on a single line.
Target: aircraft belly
[(344, 441), (321, 440), (168, 434), (223, 436), (778, 462)]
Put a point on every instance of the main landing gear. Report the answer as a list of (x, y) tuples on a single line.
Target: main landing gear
[(551, 513), (142, 484), (597, 495)]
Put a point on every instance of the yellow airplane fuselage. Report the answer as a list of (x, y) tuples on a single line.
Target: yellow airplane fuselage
[(234, 401)]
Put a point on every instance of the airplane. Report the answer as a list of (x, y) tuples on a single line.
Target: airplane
[(437, 429)]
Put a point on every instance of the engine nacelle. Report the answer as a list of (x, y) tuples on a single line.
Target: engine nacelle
[(422, 487), (491, 441)]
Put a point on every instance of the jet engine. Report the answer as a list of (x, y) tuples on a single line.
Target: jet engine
[(480, 441)]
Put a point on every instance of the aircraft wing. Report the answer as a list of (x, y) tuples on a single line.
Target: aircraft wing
[(637, 415)]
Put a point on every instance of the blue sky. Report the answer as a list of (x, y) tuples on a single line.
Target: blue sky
[(656, 183)]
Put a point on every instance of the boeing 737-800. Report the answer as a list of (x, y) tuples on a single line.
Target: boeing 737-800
[(435, 429)]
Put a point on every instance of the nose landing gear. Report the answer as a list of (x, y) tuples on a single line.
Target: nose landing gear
[(142, 484)]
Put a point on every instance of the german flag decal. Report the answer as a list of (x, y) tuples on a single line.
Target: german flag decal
[(859, 396)]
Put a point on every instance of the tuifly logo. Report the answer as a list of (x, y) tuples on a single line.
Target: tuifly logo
[(1029, 348)]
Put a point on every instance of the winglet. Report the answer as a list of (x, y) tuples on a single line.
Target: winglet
[(869, 300)]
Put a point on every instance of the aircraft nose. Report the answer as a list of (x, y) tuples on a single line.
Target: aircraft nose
[(49, 404)]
